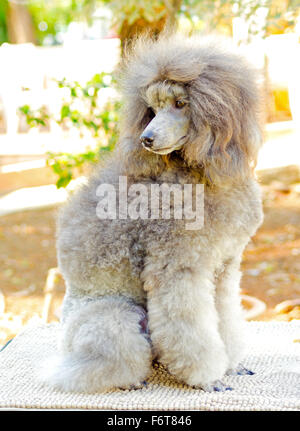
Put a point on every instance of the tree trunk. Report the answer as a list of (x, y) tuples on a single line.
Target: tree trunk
[(128, 32), (19, 24), (167, 23), (173, 7)]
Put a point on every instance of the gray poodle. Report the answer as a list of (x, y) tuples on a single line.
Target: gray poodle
[(140, 288)]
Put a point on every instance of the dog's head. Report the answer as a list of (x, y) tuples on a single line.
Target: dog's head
[(193, 99)]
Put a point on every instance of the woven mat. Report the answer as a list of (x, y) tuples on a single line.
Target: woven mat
[(273, 354)]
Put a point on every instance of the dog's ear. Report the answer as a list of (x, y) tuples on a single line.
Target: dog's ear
[(225, 131)]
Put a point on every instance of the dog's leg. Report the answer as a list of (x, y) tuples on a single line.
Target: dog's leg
[(104, 346), (231, 321), (183, 324)]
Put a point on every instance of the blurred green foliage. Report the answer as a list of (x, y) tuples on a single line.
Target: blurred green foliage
[(82, 108), (36, 117), (3, 26), (52, 17), (64, 164)]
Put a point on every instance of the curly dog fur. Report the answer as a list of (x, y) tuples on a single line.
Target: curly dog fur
[(126, 274)]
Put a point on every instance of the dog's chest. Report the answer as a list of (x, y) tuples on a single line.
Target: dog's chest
[(233, 211)]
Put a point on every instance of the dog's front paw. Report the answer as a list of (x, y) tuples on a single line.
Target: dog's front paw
[(240, 370), (209, 370)]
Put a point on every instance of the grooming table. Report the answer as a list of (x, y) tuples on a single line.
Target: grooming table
[(273, 354)]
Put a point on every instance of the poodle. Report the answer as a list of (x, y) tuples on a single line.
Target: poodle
[(145, 288)]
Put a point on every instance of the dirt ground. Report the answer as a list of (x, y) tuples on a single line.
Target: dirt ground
[(271, 264)]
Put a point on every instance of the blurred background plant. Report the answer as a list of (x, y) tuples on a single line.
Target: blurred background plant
[(45, 21), (83, 109)]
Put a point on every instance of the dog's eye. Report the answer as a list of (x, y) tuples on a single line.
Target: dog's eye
[(179, 104), (151, 113)]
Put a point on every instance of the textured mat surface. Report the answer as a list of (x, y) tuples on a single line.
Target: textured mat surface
[(273, 354)]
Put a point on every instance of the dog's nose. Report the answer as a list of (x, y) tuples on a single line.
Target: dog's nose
[(147, 142), (147, 139)]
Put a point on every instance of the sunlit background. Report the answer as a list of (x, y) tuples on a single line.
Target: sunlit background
[(59, 109)]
